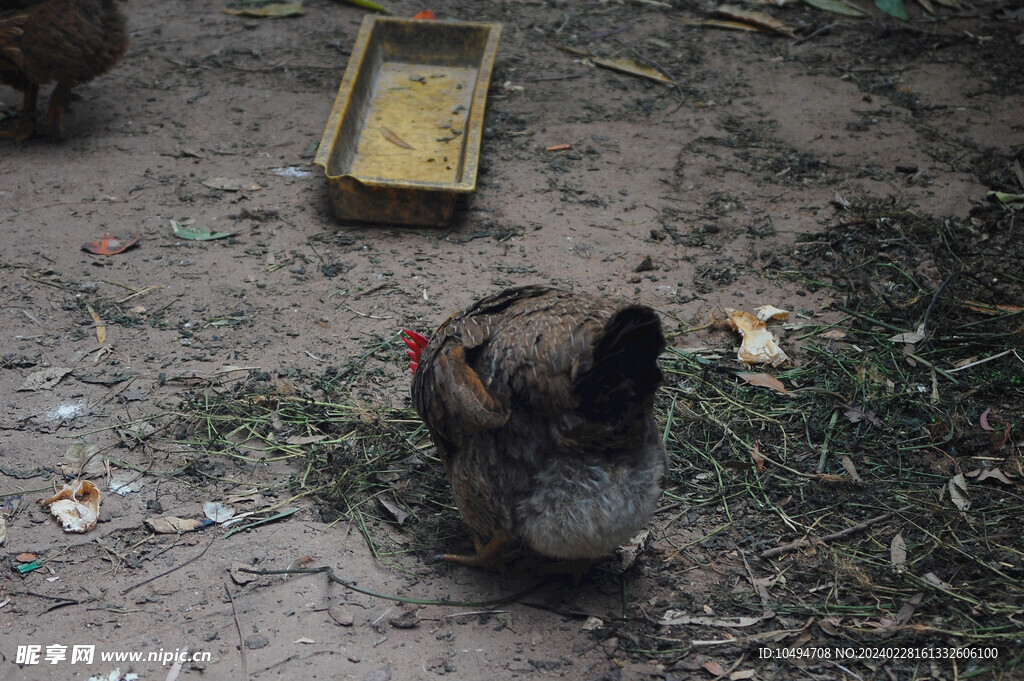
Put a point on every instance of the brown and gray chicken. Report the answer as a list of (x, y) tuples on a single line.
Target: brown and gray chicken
[(540, 402), (67, 41)]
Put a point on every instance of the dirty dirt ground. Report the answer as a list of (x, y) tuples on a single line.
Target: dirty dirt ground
[(690, 199)]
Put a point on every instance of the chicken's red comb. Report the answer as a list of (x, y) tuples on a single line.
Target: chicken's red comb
[(415, 342)]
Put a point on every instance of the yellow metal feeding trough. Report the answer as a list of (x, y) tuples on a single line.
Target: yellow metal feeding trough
[(403, 139)]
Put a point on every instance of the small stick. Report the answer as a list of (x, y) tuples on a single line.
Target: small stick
[(167, 572), (801, 543), (238, 626)]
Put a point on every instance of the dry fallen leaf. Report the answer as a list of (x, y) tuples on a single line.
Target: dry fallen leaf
[(239, 576), (983, 420), (986, 473), (909, 337), (170, 524), (101, 329), (397, 512), (764, 381), (907, 611), (833, 334), (45, 379), (855, 415), (341, 615), (628, 552), (109, 245), (81, 460), (898, 550), (958, 492), (758, 458), (631, 67), (714, 668), (394, 139), (676, 617), (755, 18), (851, 470)]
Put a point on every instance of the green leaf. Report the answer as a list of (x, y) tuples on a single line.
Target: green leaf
[(183, 232), (369, 4), (278, 9), (894, 7), (836, 7), (1006, 199)]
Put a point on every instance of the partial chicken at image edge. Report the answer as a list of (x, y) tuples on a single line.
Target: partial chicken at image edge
[(540, 402), (67, 41)]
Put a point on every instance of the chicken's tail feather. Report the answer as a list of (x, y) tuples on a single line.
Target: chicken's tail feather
[(625, 365)]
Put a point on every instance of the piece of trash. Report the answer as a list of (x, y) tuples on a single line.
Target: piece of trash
[(426, 14), (25, 557), (231, 184), (76, 506), (65, 412), (771, 313), (273, 11), (29, 567), (290, 171), (592, 624), (125, 482), (81, 460), (218, 512), (631, 67), (183, 232), (558, 147), (759, 345), (170, 524), (390, 136), (110, 245)]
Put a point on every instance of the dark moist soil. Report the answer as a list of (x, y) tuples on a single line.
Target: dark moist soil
[(842, 175)]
